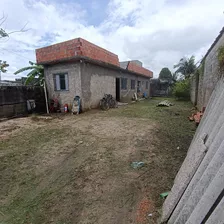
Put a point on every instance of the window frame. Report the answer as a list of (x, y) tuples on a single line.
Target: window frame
[(122, 83), (66, 82), (133, 85)]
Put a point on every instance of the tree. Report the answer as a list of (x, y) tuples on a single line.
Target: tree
[(165, 73), (186, 67), (5, 34), (3, 66), (37, 71), (174, 77)]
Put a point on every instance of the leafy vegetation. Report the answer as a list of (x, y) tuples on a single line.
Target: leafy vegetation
[(221, 57), (3, 66), (166, 74), (186, 67), (37, 71), (181, 89)]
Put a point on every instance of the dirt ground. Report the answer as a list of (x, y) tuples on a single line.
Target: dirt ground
[(77, 169)]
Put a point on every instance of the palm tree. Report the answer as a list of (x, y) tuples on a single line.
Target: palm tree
[(37, 71), (186, 66), (174, 77)]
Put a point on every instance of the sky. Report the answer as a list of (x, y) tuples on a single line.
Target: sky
[(158, 33)]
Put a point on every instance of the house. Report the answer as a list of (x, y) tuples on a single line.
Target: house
[(208, 75), (78, 67), (9, 83), (160, 87)]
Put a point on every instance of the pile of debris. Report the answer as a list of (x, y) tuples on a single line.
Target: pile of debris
[(196, 117), (165, 103)]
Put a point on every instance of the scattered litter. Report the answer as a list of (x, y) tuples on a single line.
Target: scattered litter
[(137, 165), (150, 215), (165, 103), (178, 147), (80, 142), (164, 195)]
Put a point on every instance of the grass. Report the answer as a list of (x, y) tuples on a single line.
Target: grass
[(77, 169), (173, 127)]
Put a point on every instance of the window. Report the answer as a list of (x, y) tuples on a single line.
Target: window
[(123, 83), (61, 81), (132, 84), (147, 85)]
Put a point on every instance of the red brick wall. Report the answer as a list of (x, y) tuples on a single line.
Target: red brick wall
[(72, 48), (141, 70)]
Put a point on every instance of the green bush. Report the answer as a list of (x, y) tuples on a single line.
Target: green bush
[(181, 90)]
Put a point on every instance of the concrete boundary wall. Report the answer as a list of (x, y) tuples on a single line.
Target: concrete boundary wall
[(197, 194), (13, 100), (203, 84)]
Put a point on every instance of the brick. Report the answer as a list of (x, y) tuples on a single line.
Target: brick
[(75, 47)]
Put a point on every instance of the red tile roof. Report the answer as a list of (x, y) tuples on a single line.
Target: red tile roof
[(132, 66)]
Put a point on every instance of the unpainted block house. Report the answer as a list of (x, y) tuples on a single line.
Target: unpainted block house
[(80, 68)]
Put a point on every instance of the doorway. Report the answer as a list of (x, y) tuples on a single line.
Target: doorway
[(118, 89)]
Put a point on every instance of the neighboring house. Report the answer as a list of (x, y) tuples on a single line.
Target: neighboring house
[(19, 82), (80, 68), (9, 83), (204, 82), (160, 87), (34, 82)]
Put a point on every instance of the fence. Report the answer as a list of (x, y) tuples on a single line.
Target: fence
[(197, 194), (13, 100)]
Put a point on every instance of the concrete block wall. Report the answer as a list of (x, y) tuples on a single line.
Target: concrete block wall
[(194, 88), (197, 193), (127, 94), (97, 80), (74, 82), (13, 100), (13, 109), (211, 74), (73, 48), (100, 85)]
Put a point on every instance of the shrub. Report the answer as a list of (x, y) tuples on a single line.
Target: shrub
[(181, 89)]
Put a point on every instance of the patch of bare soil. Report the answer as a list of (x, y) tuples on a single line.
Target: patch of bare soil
[(77, 169)]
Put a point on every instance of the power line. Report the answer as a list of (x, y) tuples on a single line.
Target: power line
[(11, 51)]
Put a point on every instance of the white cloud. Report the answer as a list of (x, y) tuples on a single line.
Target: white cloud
[(158, 32)]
